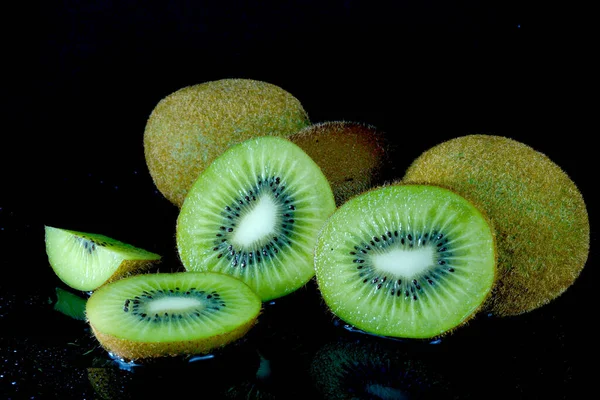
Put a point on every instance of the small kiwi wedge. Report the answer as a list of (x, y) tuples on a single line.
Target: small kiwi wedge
[(190, 127), (171, 314), (539, 214), (85, 261), (352, 155), (254, 213), (409, 261)]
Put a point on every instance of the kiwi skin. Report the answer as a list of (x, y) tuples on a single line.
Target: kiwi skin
[(190, 127), (539, 214), (352, 155)]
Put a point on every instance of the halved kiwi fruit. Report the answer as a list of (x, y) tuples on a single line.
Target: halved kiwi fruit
[(352, 155), (539, 214), (411, 261), (190, 127), (254, 213), (170, 314), (85, 261)]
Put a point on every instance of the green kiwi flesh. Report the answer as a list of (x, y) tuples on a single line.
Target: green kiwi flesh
[(169, 314), (70, 304), (254, 213), (190, 127), (85, 261), (410, 261), (540, 217), (352, 155)]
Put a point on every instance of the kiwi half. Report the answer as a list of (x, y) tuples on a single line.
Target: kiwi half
[(411, 261), (190, 127), (254, 213), (85, 261), (352, 155), (539, 214), (169, 314)]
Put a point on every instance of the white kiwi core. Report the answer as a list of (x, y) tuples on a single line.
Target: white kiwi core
[(257, 223), (173, 304), (406, 263)]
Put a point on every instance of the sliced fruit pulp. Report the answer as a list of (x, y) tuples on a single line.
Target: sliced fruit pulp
[(382, 266)]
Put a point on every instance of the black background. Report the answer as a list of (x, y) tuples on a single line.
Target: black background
[(81, 78)]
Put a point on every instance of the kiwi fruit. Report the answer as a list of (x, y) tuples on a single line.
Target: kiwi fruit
[(70, 304), (352, 155), (85, 261), (190, 127), (170, 314), (408, 261), (254, 213), (539, 214)]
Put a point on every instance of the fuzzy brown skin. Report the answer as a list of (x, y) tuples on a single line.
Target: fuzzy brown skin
[(189, 128), (350, 154), (540, 218), (129, 350)]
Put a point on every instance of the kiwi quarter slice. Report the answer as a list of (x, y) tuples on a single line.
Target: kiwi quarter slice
[(190, 127), (254, 213), (85, 261), (352, 155), (169, 314), (539, 214), (411, 261)]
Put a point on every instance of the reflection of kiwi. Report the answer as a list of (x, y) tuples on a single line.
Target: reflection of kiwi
[(254, 213), (350, 154), (192, 126), (538, 212), (154, 315), (409, 261), (183, 376), (370, 369), (85, 261), (70, 304)]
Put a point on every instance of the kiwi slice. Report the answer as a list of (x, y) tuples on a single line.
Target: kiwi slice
[(539, 214), (169, 314), (254, 213), (190, 127), (85, 261), (352, 155), (411, 261)]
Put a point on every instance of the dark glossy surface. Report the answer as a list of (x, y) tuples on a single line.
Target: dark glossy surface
[(87, 74)]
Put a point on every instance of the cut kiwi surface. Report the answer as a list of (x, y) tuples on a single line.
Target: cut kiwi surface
[(170, 314), (85, 261), (352, 155), (411, 261), (540, 217), (190, 127), (254, 213)]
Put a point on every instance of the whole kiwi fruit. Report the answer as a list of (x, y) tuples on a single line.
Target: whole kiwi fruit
[(541, 220), (190, 127)]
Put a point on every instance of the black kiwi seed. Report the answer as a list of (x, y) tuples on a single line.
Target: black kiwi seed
[(211, 303), (396, 286)]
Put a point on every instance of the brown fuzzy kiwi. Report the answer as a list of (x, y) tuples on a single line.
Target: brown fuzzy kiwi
[(542, 225), (352, 155), (190, 127)]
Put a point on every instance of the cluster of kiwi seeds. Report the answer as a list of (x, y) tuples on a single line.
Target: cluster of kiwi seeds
[(269, 200)]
